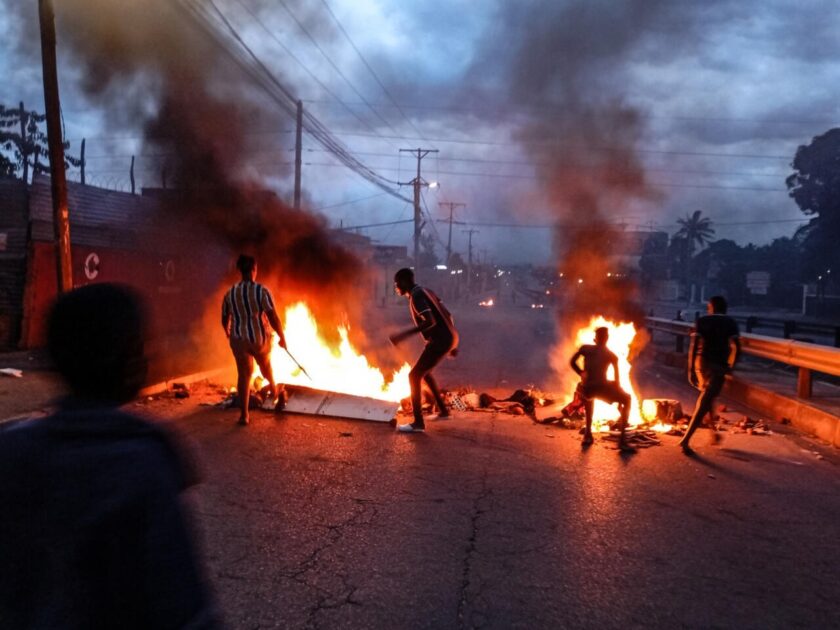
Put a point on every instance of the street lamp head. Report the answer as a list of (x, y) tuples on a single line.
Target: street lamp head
[(434, 185)]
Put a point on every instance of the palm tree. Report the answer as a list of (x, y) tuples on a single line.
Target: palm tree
[(694, 229)]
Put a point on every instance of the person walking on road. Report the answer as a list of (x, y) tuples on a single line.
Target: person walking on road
[(93, 533), (714, 350), (246, 309), (434, 322), (595, 384)]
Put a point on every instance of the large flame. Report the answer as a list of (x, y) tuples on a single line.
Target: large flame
[(340, 369), (621, 337), (620, 341)]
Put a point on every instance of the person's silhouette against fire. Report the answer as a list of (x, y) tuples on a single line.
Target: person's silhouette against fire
[(595, 384), (92, 530), (714, 350), (246, 309), (434, 322)]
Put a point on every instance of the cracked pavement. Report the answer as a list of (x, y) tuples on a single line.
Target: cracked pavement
[(493, 521)]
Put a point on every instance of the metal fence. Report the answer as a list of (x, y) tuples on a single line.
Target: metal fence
[(807, 357)]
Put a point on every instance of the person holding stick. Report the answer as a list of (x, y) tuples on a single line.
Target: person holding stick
[(246, 308)]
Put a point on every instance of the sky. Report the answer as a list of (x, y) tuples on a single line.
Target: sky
[(660, 107)]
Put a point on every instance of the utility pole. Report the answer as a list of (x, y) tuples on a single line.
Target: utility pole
[(417, 182), (470, 232), (24, 120), (298, 152), (451, 205), (58, 178)]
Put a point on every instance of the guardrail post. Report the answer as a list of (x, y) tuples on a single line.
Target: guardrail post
[(789, 328), (837, 336), (679, 347), (752, 322), (804, 385)]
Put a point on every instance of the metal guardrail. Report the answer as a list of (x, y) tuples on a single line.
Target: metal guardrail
[(808, 357)]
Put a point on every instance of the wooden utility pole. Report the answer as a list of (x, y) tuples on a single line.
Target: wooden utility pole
[(58, 178), (298, 152), (417, 182), (82, 160), (24, 119), (470, 232), (451, 205)]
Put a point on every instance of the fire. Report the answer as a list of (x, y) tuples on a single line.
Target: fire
[(488, 302), (340, 369), (620, 342)]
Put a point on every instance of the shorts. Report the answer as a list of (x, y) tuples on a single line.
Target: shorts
[(243, 349), (609, 391)]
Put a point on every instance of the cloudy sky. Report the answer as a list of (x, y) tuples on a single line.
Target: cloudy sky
[(703, 103)]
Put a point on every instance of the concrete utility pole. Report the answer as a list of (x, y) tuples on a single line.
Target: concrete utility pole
[(58, 178), (469, 257), (451, 205), (298, 152), (417, 182)]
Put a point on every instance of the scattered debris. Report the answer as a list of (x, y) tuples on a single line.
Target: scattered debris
[(180, 390), (13, 372), (345, 434), (637, 438)]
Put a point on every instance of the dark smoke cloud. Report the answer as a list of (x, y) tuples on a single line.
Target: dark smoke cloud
[(147, 64), (584, 146)]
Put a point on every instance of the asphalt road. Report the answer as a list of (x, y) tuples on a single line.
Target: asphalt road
[(493, 521)]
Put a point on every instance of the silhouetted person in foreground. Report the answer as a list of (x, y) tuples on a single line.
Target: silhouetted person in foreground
[(595, 384), (92, 531), (434, 322), (246, 309), (714, 350)]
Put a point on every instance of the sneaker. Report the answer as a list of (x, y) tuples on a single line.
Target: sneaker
[(411, 428), (282, 399), (243, 422), (269, 404), (439, 416)]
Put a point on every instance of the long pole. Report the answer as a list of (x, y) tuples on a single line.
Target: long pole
[(417, 182), (24, 119), (452, 205), (470, 232), (58, 178), (298, 152)]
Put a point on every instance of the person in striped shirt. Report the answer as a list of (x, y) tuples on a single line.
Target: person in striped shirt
[(434, 322), (246, 310)]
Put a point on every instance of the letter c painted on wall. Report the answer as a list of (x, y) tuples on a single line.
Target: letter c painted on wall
[(91, 266)]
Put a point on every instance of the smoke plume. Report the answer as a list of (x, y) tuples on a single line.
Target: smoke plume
[(152, 63)]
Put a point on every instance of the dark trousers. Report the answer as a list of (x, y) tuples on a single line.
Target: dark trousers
[(435, 350), (712, 378)]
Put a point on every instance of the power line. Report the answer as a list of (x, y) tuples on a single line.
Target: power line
[(304, 66), (347, 203), (512, 176), (576, 165), (370, 69), (373, 225), (258, 71), (560, 108), (334, 66)]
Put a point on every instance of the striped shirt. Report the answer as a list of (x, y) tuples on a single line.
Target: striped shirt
[(245, 307)]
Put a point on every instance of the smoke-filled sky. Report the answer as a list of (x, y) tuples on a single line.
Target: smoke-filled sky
[(641, 111)]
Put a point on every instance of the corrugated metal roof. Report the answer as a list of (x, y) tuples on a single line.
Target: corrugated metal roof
[(98, 217)]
